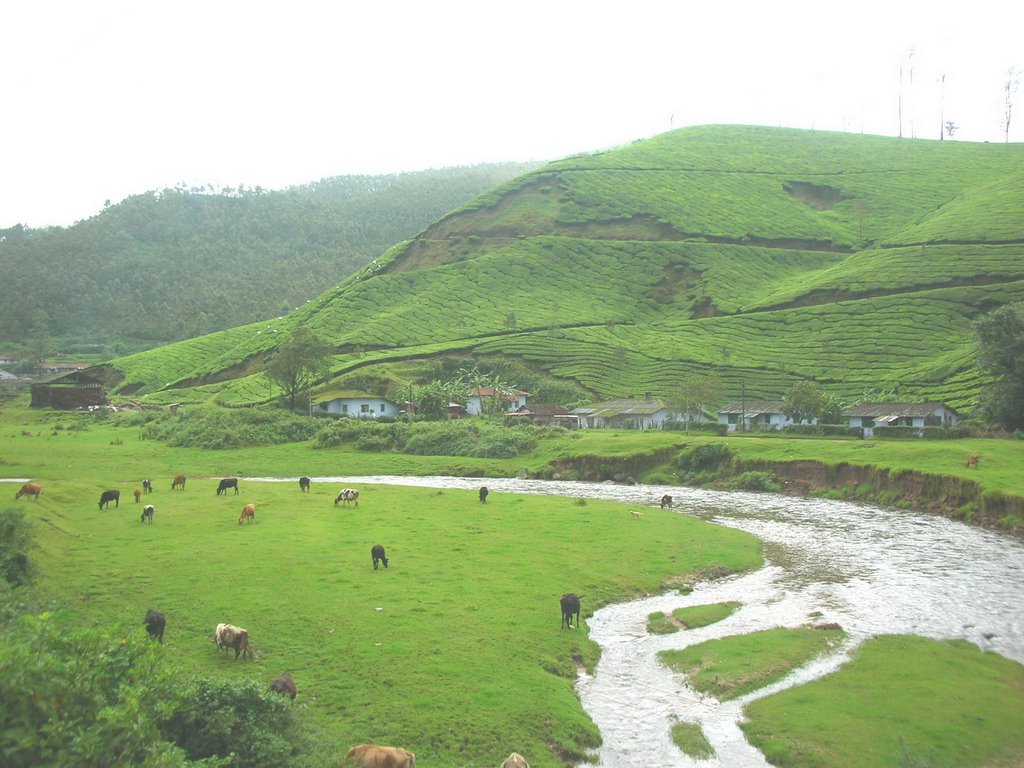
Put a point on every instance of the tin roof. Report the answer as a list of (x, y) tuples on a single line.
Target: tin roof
[(623, 407), (893, 411)]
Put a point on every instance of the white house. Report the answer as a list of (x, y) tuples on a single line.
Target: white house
[(872, 416), (358, 405), (627, 413), (511, 400), (756, 414)]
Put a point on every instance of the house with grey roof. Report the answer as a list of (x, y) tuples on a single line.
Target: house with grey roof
[(625, 413), (756, 414), (872, 416)]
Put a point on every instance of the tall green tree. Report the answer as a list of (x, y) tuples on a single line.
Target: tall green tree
[(696, 393), (298, 363), (1000, 336), (804, 401)]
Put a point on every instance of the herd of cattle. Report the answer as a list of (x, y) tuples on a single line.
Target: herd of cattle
[(228, 636)]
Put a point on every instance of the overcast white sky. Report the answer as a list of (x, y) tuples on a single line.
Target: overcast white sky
[(103, 99)]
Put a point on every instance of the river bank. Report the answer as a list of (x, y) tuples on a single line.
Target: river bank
[(899, 475)]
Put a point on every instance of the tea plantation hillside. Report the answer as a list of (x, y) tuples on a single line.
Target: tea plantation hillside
[(767, 255)]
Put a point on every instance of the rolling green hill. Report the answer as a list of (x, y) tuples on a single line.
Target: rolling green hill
[(170, 265), (768, 255)]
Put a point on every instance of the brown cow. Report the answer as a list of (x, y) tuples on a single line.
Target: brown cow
[(248, 514), (973, 461), (179, 482), (31, 490), (236, 638), (284, 684), (373, 756), (138, 495), (515, 760)]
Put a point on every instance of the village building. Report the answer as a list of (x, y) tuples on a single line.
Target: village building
[(357, 405), (543, 415), (627, 413), (871, 416), (509, 400), (756, 414), (76, 389)]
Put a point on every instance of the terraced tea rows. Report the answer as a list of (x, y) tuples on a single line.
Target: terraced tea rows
[(750, 252)]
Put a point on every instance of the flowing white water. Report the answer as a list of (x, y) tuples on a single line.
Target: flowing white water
[(872, 571)]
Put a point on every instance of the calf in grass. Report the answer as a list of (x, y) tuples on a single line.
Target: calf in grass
[(374, 756)]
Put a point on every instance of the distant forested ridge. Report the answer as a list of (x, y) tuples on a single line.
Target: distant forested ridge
[(178, 263)]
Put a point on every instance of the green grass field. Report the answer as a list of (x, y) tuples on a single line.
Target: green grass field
[(454, 651), (903, 701), (464, 661)]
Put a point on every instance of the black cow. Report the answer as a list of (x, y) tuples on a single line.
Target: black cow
[(110, 496), (304, 486), (155, 624), (147, 513), (227, 482), (147, 486), (284, 684), (666, 501), (570, 606), (377, 553), (483, 494)]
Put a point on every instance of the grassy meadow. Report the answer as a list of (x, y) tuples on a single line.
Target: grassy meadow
[(454, 651), (903, 701)]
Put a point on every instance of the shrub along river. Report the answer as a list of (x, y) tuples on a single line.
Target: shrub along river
[(872, 571)]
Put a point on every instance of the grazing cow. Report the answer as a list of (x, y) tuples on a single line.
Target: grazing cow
[(179, 482), (110, 496), (570, 606), (155, 623), (32, 490), (666, 501), (973, 461), (227, 482), (304, 484), (284, 684), (138, 494), (483, 494), (147, 513), (248, 514), (374, 756), (228, 636), (147, 486), (348, 495), (515, 760), (377, 553)]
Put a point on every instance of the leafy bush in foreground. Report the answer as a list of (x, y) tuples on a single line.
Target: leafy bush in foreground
[(72, 696), (15, 542)]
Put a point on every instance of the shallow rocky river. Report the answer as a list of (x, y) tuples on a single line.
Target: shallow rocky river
[(872, 571)]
